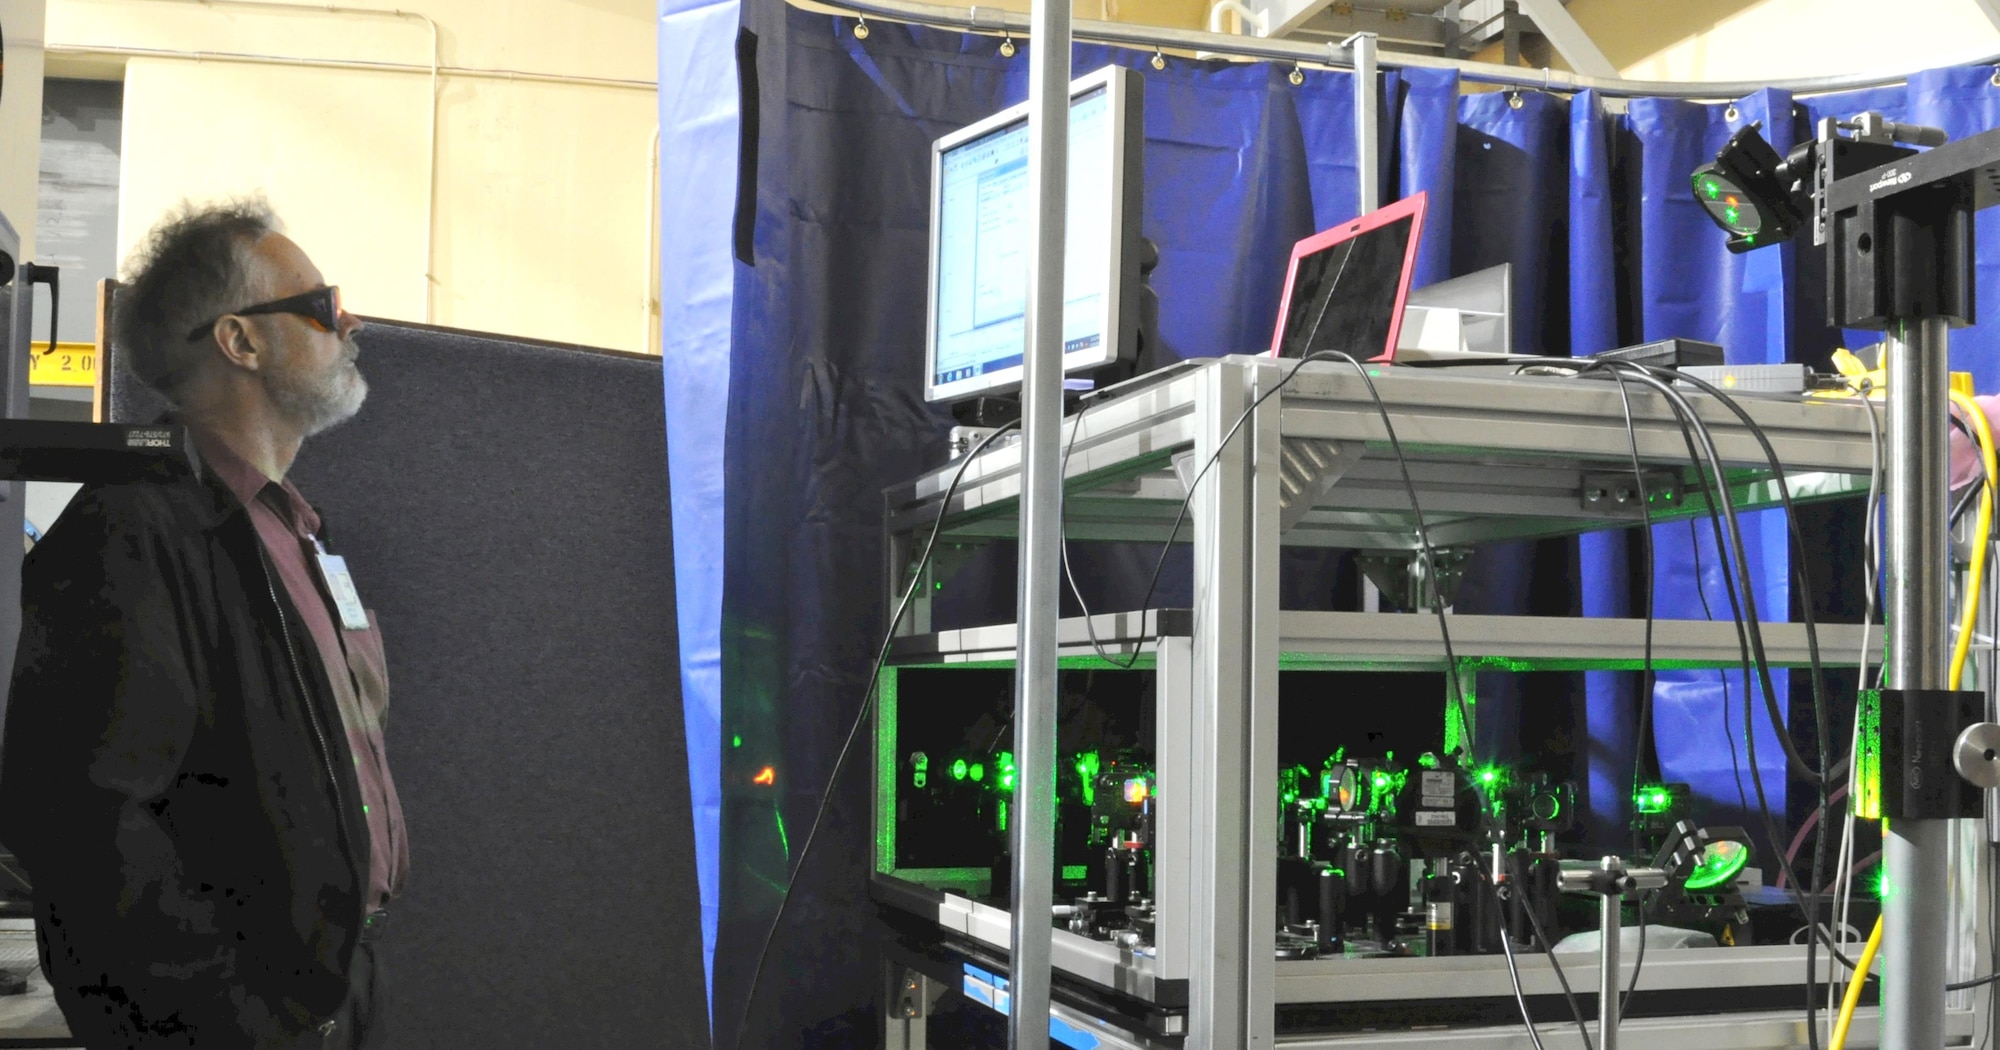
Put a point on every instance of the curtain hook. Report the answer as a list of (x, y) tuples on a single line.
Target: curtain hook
[(861, 27), (1730, 114), (1996, 76), (1514, 99), (1006, 44), (1297, 76), (1159, 59)]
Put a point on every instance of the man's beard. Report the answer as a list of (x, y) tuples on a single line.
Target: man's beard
[(316, 402)]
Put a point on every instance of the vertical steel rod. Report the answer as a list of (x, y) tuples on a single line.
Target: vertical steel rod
[(1914, 851), (1368, 173), (1041, 522), (1367, 133), (1610, 926)]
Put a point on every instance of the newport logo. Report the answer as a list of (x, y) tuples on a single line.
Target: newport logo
[(149, 439), (1889, 179)]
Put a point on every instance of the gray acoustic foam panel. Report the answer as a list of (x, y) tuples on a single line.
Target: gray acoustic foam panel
[(504, 508)]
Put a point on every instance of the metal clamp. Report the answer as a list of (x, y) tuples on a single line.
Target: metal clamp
[(1924, 754), (1611, 877), (1611, 880), (1976, 755)]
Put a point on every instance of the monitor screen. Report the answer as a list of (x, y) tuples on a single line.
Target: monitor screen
[(1347, 286), (981, 240)]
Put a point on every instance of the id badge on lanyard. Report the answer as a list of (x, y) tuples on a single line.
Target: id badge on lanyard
[(340, 584)]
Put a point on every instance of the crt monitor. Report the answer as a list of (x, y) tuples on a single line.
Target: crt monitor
[(1347, 286), (979, 242)]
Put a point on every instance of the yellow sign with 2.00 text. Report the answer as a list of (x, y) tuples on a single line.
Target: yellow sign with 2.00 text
[(70, 364)]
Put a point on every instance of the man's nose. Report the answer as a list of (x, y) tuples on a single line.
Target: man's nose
[(349, 324)]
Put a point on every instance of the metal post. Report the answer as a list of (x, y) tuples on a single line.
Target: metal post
[(1914, 851), (1611, 880), (1367, 133), (1260, 631), (1989, 682), (1611, 927), (1219, 981), (1041, 506)]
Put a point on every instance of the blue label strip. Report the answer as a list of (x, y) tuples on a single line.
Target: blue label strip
[(990, 991)]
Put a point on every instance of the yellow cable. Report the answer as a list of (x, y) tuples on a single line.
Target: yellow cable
[(1853, 996), (1982, 532), (1982, 528)]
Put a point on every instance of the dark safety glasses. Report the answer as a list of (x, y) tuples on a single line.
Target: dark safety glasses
[(321, 306)]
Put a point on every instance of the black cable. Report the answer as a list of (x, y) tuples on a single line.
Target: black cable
[(1744, 610), (1708, 613), (1167, 545), (1638, 963), (1645, 726), (1822, 724), (1818, 869), (1805, 898), (1646, 674), (1801, 567), (1188, 501), (1514, 972), (860, 720), (1728, 589), (37, 273), (1750, 636), (1062, 540), (1430, 555), (1751, 620), (1549, 949), (1458, 701), (1965, 501), (1652, 377), (1721, 674), (1809, 903)]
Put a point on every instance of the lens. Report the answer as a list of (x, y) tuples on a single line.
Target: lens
[(1345, 790), (1727, 204), (1720, 862), (1735, 214)]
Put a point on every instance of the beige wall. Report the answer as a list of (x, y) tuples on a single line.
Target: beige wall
[(537, 216), (1779, 39), (21, 117)]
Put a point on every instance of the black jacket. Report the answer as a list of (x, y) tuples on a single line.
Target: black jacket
[(175, 778)]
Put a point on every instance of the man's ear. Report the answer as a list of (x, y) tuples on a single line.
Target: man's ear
[(238, 342)]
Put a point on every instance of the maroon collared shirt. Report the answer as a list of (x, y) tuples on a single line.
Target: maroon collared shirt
[(287, 525)]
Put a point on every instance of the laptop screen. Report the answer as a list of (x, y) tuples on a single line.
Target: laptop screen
[(1348, 285)]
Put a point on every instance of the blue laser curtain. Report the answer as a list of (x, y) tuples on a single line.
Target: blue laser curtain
[(824, 414), (698, 139), (1586, 198)]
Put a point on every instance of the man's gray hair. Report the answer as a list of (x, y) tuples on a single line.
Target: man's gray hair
[(192, 268)]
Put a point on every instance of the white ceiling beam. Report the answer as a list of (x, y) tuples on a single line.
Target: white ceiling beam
[(1284, 16), (1576, 47), (1991, 9)]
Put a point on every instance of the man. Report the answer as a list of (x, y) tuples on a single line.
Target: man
[(192, 772)]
